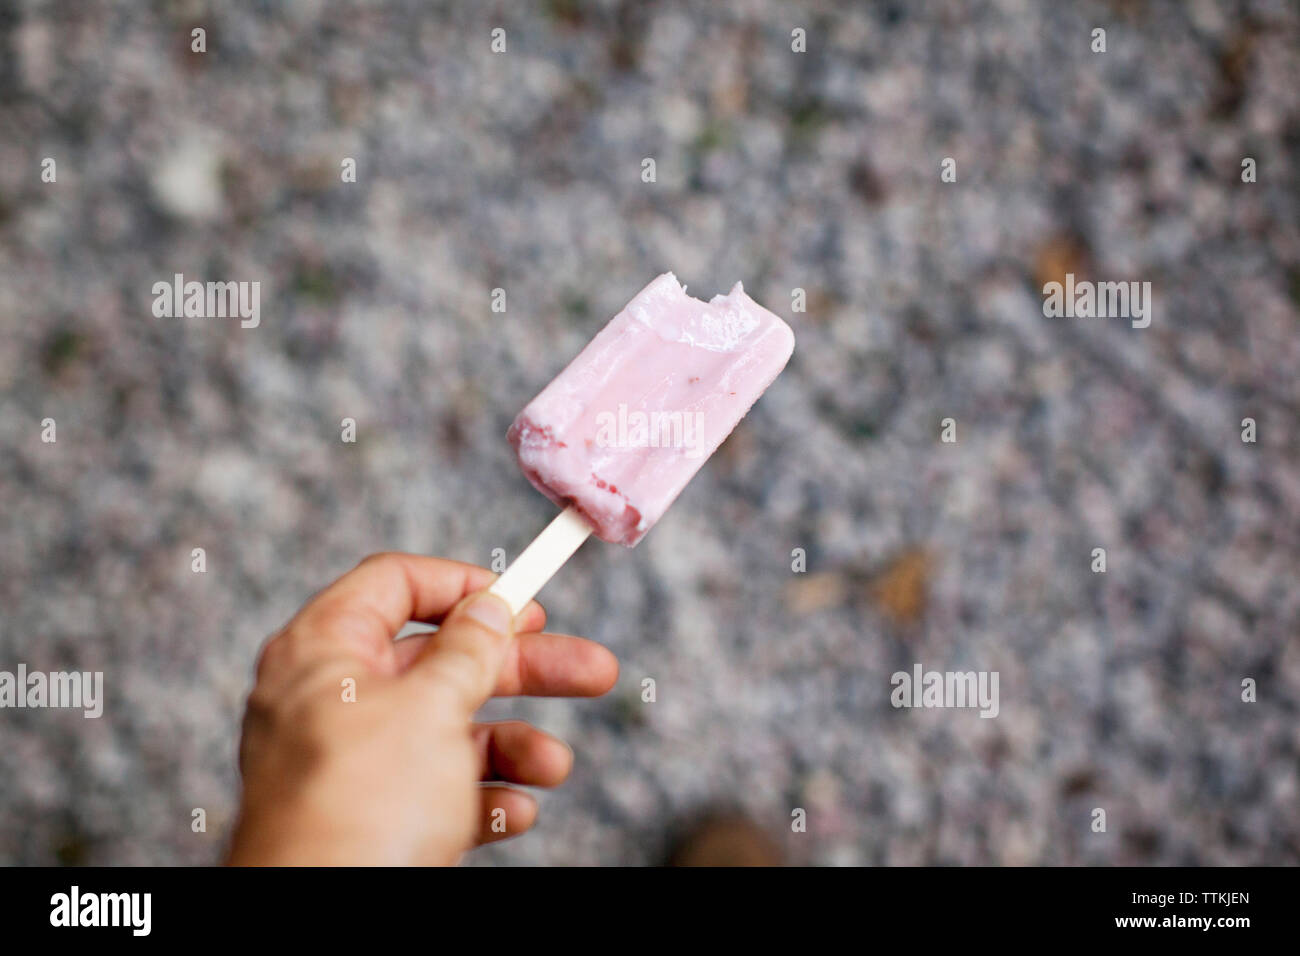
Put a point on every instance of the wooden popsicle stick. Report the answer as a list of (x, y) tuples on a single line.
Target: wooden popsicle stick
[(541, 559)]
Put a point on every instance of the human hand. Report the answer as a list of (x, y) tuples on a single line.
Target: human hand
[(393, 777)]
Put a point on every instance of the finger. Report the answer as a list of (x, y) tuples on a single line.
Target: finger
[(515, 752), (541, 665), (531, 618), (556, 665), (458, 665), (506, 812), (363, 610)]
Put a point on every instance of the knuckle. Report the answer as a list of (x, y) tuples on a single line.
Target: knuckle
[(377, 557), (300, 717), (281, 654), (271, 657)]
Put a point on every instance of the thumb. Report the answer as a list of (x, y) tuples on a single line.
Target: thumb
[(463, 658)]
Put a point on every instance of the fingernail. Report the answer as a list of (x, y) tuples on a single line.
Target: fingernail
[(492, 612)]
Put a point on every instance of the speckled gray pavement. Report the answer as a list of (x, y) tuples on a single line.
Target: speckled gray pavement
[(818, 171)]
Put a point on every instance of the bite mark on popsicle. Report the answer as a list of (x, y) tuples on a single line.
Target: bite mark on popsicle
[(668, 361)]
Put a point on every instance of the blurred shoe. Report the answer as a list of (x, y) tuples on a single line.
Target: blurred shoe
[(726, 840)]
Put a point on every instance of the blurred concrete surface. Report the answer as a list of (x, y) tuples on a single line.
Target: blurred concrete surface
[(817, 171)]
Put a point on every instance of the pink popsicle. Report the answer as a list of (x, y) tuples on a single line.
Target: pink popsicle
[(626, 425)]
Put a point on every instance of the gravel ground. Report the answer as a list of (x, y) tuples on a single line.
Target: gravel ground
[(817, 171)]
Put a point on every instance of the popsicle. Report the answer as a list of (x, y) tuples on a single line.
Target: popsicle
[(618, 434)]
